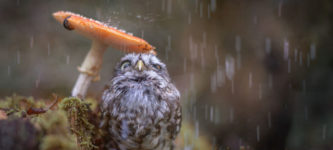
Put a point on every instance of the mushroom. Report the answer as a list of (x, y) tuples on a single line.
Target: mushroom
[(102, 36)]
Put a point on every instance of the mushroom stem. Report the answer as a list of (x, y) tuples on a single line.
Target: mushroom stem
[(89, 69)]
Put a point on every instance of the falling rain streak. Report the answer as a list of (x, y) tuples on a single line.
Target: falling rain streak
[(31, 41), (230, 67), (324, 132), (18, 57), (269, 119), (268, 45), (285, 50), (9, 71), (68, 59), (220, 71), (48, 49), (258, 133), (250, 80)]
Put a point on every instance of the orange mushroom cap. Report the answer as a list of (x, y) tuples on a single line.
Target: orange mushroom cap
[(103, 33)]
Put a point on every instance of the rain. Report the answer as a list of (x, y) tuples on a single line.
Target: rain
[(251, 74)]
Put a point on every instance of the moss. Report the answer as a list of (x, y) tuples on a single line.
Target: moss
[(57, 142), (55, 126), (71, 125), (188, 138), (77, 112), (16, 106)]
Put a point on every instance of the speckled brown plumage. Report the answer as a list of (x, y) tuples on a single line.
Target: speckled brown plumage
[(141, 108)]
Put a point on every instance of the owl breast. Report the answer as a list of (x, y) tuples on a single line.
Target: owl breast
[(143, 114)]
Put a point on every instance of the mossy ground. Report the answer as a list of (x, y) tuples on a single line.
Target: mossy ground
[(73, 124)]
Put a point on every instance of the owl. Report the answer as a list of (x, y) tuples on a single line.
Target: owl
[(140, 105)]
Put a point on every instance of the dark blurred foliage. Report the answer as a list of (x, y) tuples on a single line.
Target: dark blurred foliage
[(251, 73), (18, 134)]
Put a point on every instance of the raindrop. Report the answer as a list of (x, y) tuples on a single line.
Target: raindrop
[(196, 5), (9, 69), (216, 55), (230, 67), (306, 113), (313, 51), (213, 83), (217, 115), (169, 7), (193, 48), (163, 5), (206, 112), (194, 112), (255, 20), (308, 60), (304, 86), (169, 42), (18, 56), (203, 62), (300, 58), (196, 129), (285, 49), (289, 65), (122, 30), (232, 87), (31, 41), (220, 77), (185, 65), (48, 49), (189, 18), (280, 9), (324, 131), (208, 11), (296, 52), (211, 114), (204, 39), (201, 10), (138, 16), (238, 43), (37, 83), (260, 92), (250, 80), (231, 117), (67, 59), (213, 5), (142, 33), (268, 45), (258, 133), (239, 60), (270, 80), (269, 116)]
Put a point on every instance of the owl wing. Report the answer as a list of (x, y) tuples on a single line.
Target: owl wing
[(176, 115)]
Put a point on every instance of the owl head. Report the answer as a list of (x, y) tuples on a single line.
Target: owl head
[(140, 76), (141, 68)]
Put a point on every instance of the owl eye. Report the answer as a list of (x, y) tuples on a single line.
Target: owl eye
[(157, 67), (125, 65)]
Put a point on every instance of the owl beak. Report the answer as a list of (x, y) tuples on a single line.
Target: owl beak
[(140, 66)]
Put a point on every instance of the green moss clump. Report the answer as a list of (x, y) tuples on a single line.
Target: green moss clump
[(55, 125), (77, 112), (188, 138), (16, 106), (56, 142)]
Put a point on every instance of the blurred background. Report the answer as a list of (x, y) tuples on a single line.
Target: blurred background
[(252, 74)]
